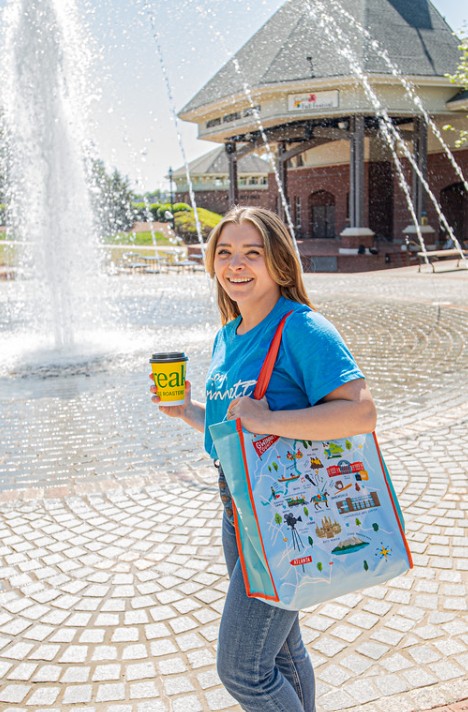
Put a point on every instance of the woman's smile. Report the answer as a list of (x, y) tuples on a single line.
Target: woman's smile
[(239, 280)]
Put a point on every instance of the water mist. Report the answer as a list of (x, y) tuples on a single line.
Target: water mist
[(44, 97)]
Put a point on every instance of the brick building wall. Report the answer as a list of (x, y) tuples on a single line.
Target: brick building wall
[(218, 200), (381, 198), (386, 209), (303, 183), (441, 175)]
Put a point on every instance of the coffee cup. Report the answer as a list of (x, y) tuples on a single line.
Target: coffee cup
[(169, 376)]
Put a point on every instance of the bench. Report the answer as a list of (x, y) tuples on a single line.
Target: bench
[(137, 262), (184, 265), (436, 255), (130, 263), (153, 264)]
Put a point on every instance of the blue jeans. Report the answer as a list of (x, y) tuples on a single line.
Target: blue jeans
[(262, 660)]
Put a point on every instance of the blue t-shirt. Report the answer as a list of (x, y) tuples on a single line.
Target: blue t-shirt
[(313, 360)]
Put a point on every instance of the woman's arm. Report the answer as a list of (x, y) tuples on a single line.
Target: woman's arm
[(190, 412), (348, 410)]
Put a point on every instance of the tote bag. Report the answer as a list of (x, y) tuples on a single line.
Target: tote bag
[(314, 520)]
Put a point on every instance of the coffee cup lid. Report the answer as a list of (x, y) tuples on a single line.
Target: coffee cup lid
[(168, 356)]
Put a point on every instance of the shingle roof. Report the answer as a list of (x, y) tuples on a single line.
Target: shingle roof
[(216, 162), (412, 32)]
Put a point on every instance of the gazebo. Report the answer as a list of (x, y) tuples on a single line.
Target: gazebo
[(291, 87)]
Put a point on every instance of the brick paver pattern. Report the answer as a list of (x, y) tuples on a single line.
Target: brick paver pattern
[(112, 573)]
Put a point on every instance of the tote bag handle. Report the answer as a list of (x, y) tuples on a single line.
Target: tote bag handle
[(269, 363)]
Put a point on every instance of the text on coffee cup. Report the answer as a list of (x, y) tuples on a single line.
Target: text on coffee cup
[(171, 380)]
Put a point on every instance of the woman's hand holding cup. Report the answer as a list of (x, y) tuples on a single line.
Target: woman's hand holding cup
[(174, 411), (172, 392)]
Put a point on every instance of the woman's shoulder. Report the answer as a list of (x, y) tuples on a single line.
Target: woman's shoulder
[(303, 316), (309, 337), (305, 327), (227, 332)]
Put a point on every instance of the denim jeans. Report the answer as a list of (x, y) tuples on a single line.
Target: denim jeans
[(262, 660)]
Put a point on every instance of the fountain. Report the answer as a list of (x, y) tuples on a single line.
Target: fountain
[(45, 95), (44, 64), (45, 100)]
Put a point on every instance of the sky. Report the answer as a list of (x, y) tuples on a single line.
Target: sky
[(139, 48)]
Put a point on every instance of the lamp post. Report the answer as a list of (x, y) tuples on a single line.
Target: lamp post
[(170, 173)]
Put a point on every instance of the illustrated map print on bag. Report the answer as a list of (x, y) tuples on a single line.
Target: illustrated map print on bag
[(314, 521), (318, 508)]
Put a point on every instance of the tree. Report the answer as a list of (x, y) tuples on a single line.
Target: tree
[(278, 518), (460, 78), (3, 174), (155, 196), (111, 199)]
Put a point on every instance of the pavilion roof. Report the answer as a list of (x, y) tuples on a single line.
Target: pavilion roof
[(412, 32), (216, 162)]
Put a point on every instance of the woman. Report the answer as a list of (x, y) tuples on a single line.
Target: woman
[(316, 392)]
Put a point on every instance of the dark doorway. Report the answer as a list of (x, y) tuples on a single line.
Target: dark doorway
[(454, 205), (323, 214)]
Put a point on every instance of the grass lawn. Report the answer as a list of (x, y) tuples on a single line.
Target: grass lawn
[(137, 238), (8, 252)]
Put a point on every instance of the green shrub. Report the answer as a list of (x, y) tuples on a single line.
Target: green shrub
[(181, 207), (140, 212), (186, 228), (154, 210), (157, 211), (164, 208)]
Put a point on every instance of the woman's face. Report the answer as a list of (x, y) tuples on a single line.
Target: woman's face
[(241, 268)]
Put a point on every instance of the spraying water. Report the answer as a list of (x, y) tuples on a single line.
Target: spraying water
[(410, 90), (44, 65), (335, 35), (248, 94), (407, 84), (167, 83), (271, 158)]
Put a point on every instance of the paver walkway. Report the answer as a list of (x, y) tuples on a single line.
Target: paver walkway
[(110, 555)]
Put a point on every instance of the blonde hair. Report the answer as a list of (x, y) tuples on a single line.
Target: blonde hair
[(280, 256)]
